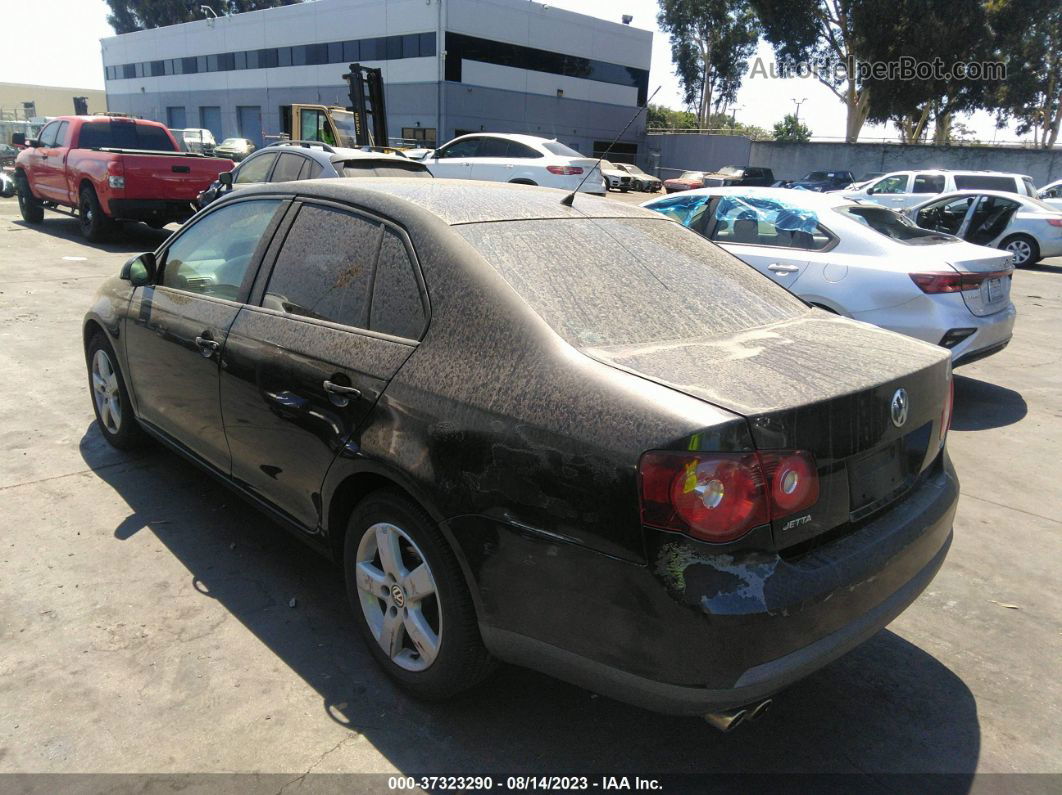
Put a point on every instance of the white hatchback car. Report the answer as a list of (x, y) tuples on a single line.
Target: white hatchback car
[(861, 260), (902, 189), (522, 159)]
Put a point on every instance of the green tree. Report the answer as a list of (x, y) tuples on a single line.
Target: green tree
[(821, 33), (661, 118), (129, 15), (792, 130), (1030, 42), (711, 41), (946, 31)]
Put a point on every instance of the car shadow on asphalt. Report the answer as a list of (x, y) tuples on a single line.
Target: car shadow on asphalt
[(1042, 267), (130, 238), (887, 706), (980, 405)]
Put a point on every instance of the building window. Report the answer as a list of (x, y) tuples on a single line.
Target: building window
[(226, 62), (351, 51), (189, 66), (424, 136), (240, 61), (335, 52), (427, 44)]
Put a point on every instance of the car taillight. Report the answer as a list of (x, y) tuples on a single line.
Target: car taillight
[(719, 497), (949, 405), (566, 171), (954, 282), (1055, 221)]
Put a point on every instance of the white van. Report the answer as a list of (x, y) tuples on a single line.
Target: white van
[(902, 189)]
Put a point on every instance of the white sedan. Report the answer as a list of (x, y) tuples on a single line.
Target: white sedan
[(1030, 229), (861, 260), (522, 159)]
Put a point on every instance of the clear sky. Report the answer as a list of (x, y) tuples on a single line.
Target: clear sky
[(66, 52)]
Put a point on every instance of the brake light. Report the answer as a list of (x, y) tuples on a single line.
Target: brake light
[(954, 282), (719, 497), (1055, 221), (566, 171)]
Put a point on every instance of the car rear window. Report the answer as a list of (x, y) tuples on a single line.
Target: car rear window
[(124, 135), (629, 281), (557, 148), (984, 182), (383, 168), (894, 226)]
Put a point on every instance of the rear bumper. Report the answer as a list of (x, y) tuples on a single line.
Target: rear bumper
[(930, 318), (697, 631), (157, 210)]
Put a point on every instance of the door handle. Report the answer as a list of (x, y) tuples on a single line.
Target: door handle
[(207, 347), (333, 388), (778, 267), (339, 395)]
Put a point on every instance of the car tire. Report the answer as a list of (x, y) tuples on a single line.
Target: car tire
[(31, 208), (94, 224), (1023, 248), (110, 399), (430, 645)]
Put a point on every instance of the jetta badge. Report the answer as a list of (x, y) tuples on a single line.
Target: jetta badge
[(899, 408)]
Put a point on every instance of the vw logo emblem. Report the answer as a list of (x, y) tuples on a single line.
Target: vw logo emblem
[(899, 406), (398, 597)]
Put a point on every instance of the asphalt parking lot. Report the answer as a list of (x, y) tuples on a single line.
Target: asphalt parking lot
[(146, 618)]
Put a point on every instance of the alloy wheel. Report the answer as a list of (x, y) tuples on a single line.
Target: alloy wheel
[(1021, 251), (398, 596), (105, 392)]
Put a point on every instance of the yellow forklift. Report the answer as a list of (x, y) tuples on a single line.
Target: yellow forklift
[(362, 125)]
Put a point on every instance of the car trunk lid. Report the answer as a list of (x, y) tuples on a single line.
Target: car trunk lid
[(821, 384)]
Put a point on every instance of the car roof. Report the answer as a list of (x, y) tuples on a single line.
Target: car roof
[(456, 201), (534, 140), (807, 197), (959, 194), (971, 172)]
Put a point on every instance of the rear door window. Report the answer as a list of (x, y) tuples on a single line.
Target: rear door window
[(324, 270), (928, 183), (256, 169), (288, 168), (397, 307), (672, 285)]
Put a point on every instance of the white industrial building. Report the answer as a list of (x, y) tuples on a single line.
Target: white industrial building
[(503, 65)]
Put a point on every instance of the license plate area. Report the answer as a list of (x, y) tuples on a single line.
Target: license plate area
[(876, 479), (995, 290)]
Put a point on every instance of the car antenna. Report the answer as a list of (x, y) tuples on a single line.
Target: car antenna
[(567, 200)]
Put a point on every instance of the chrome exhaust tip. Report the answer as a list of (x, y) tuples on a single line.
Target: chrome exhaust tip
[(729, 719)]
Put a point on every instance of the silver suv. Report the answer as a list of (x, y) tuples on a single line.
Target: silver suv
[(903, 189)]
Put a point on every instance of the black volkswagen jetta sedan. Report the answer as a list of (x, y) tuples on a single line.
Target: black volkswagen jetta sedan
[(578, 438)]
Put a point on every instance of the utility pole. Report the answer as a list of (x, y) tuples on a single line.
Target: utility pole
[(798, 103)]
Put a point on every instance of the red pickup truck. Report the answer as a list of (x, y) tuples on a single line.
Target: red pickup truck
[(110, 169)]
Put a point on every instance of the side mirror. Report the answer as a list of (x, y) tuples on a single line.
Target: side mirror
[(870, 191), (139, 270), (225, 178), (18, 139)]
